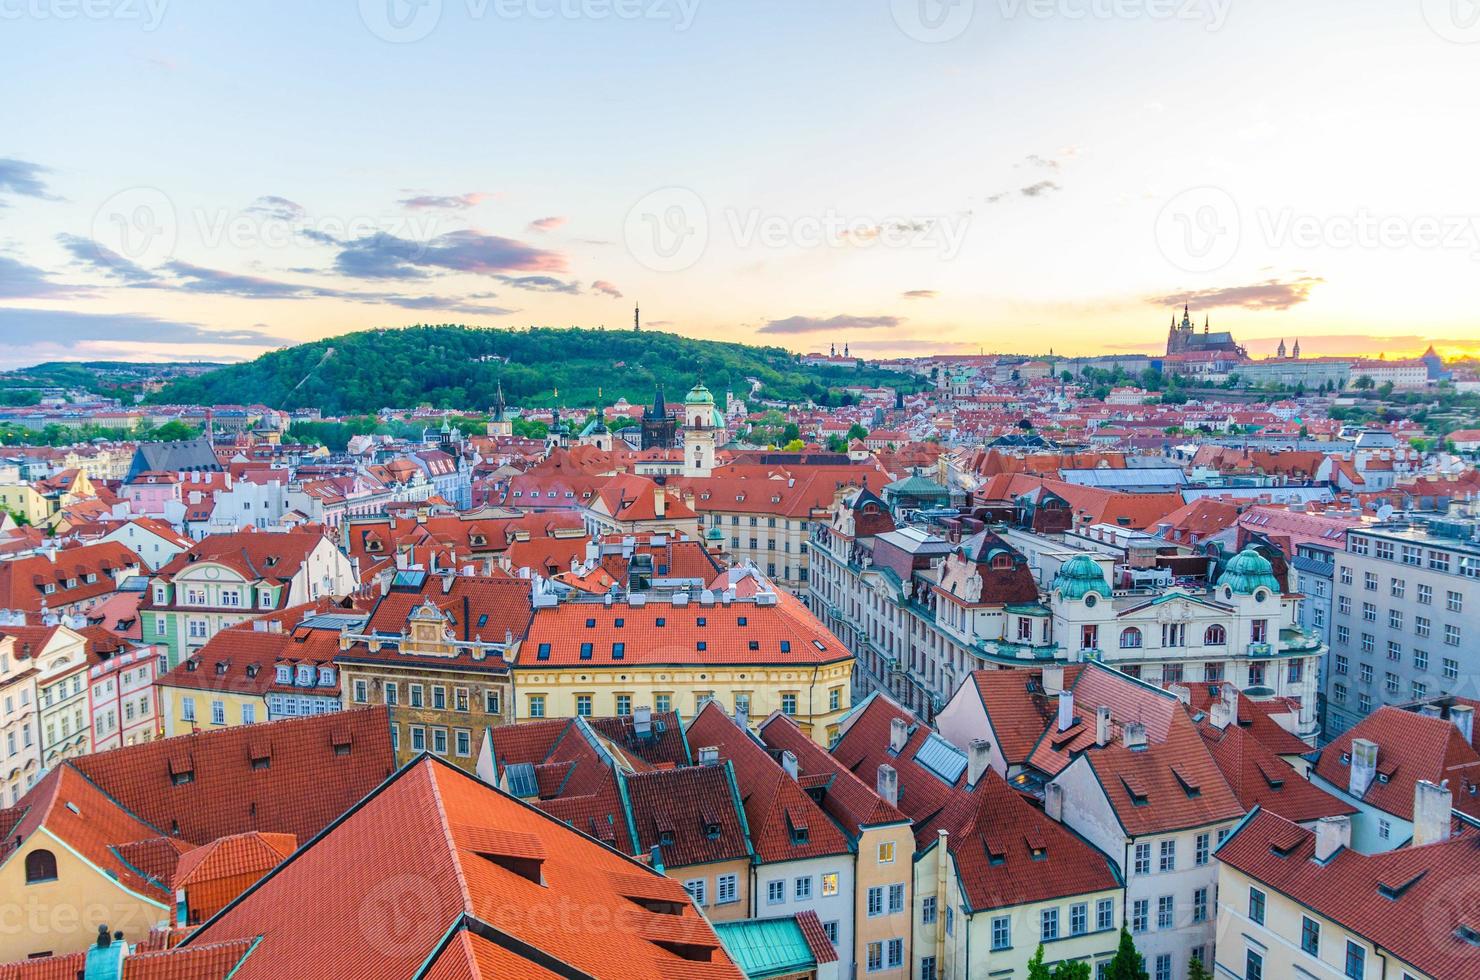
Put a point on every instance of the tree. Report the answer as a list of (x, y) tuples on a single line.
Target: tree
[(1072, 970), (1364, 383), (1128, 963), (174, 432), (1386, 390), (794, 446), (1196, 971), (1036, 969), (856, 431)]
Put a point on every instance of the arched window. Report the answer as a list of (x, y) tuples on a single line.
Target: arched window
[(41, 865), (1216, 636), (1130, 639), (1002, 562)]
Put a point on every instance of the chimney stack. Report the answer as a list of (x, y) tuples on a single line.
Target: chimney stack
[(1432, 809), (1332, 834), (888, 785), (1066, 710), (1431, 711), (899, 734), (1133, 735), (1181, 692), (1102, 725), (1053, 680), (978, 760), (660, 501), (1363, 767), (709, 755), (1053, 802), (789, 763), (1463, 716)]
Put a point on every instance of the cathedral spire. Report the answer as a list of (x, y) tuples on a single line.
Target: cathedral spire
[(637, 318)]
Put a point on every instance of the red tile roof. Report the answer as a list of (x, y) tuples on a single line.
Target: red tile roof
[(1259, 777), (1017, 707), (1410, 747), (306, 784), (854, 804), (23, 580), (1412, 901)]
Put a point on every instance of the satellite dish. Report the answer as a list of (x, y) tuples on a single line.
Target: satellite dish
[(1385, 512)]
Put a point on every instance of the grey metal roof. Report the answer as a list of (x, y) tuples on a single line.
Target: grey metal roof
[(174, 457), (1114, 479)]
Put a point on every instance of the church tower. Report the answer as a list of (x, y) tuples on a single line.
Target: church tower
[(499, 423), (1280, 351), (701, 429), (1295, 353)]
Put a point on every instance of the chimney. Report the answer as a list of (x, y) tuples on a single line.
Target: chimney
[(1053, 680), (709, 755), (657, 859), (899, 734), (1332, 834), (789, 763), (1102, 725), (1432, 809), (660, 501), (1181, 692), (888, 785), (1364, 766), (1463, 716), (742, 717), (1220, 715), (1053, 801), (1431, 711), (1133, 735), (1066, 710), (978, 760)]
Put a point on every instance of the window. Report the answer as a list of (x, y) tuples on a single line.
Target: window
[(583, 705), (1369, 612), (417, 693), (927, 968), (1163, 967), (41, 865), (249, 714), (1253, 966), (1369, 581), (1454, 602), (362, 692), (927, 910), (1356, 960), (439, 741), (695, 888), (1143, 859), (1384, 828), (726, 889), (829, 884), (1001, 932), (1200, 905), (460, 700), (1310, 935), (1346, 576), (789, 705), (1422, 625), (886, 852), (1130, 639), (876, 901), (875, 957), (1168, 859), (1343, 635), (418, 738), (894, 953), (1105, 914), (802, 888), (492, 703), (1256, 906), (1164, 912), (464, 742), (1451, 635), (1201, 850), (624, 705), (1215, 636), (439, 697), (896, 899), (1397, 588), (663, 703), (1425, 595), (775, 892), (218, 713), (536, 706), (834, 699), (1078, 919), (1140, 915)]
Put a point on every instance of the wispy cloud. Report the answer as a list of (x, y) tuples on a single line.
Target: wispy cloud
[(541, 284), (810, 324), (105, 260), (23, 327), (1272, 294), (21, 281), (547, 224), (386, 256), (606, 289), (279, 208), (443, 202), (24, 178), (920, 294), (1040, 188)]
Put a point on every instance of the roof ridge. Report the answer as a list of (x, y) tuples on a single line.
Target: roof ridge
[(452, 850)]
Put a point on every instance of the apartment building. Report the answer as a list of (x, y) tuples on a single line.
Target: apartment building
[(1405, 596), (18, 723), (122, 702)]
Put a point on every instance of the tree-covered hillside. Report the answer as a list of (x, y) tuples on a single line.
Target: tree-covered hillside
[(461, 367)]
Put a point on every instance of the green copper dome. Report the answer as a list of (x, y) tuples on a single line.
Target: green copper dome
[(1249, 571), (700, 395), (1078, 577)]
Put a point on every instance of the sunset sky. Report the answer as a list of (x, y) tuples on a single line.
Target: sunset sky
[(213, 179)]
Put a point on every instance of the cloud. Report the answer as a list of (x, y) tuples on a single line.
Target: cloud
[(105, 260), (920, 294), (22, 327), (1040, 188), (606, 289), (443, 202), (24, 178), (547, 224), (198, 279), (809, 324), (386, 256), (279, 208), (541, 284), (21, 281), (1272, 294)]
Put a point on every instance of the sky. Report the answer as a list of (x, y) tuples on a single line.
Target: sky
[(214, 179)]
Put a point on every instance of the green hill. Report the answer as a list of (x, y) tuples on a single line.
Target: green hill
[(461, 367)]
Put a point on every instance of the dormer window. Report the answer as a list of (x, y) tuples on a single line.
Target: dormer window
[(326, 676), (284, 674), (305, 675)]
